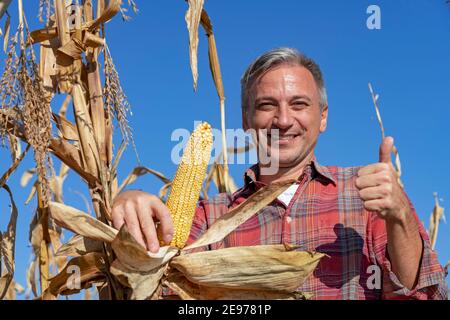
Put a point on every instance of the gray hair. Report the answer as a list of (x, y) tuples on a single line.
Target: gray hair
[(276, 57)]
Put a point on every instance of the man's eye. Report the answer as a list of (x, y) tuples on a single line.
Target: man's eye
[(300, 104), (266, 105)]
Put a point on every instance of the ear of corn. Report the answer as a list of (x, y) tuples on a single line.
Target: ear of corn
[(188, 181)]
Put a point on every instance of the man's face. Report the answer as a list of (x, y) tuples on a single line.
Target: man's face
[(287, 98)]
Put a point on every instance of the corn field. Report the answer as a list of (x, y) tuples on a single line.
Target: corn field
[(69, 60)]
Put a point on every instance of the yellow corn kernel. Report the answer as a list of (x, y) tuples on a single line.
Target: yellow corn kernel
[(187, 184)]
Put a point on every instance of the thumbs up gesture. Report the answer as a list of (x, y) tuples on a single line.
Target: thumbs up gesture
[(379, 188)]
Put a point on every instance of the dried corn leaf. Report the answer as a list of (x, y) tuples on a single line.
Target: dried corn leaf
[(222, 179), (69, 154), (87, 294), (193, 17), (85, 130), (4, 178), (117, 158), (214, 65), (68, 129), (97, 108), (241, 213), (48, 66), (139, 171), (31, 279), (81, 223), (79, 246), (14, 147), (135, 257), (93, 41), (36, 234), (62, 111), (213, 56), (42, 35), (57, 181), (164, 190), (4, 4), (84, 270), (106, 14), (26, 177), (61, 22), (188, 290), (32, 192), (74, 48), (435, 218), (6, 36), (7, 247), (263, 267), (398, 166), (14, 289)]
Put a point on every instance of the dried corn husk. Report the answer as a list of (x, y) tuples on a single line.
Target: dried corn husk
[(264, 267), (136, 268), (187, 290), (134, 256), (143, 284)]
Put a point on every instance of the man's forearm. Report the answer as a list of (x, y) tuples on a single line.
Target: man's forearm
[(405, 248)]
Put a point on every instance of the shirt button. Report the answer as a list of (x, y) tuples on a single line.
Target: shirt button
[(288, 219)]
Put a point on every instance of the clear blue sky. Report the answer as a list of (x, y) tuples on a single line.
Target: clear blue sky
[(407, 61)]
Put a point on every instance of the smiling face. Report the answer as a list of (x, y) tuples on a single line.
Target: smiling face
[(287, 98)]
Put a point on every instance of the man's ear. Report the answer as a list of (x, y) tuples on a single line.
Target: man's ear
[(324, 118)]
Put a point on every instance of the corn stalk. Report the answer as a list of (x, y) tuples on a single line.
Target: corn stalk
[(84, 146)]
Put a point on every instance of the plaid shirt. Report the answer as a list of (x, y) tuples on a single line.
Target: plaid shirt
[(327, 215)]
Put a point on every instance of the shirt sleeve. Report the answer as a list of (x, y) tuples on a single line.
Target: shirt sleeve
[(431, 284)]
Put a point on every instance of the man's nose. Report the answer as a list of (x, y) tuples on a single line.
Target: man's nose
[(283, 119)]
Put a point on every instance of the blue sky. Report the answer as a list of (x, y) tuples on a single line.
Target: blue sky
[(407, 61)]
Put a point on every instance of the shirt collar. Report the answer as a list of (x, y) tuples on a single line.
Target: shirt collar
[(313, 168)]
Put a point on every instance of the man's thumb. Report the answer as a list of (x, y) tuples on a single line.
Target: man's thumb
[(385, 149)]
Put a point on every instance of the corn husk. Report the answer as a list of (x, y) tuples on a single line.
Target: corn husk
[(188, 290), (264, 267), (136, 268)]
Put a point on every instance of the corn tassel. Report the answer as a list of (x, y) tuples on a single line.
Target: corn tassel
[(188, 181)]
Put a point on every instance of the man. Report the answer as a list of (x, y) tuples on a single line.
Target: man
[(361, 217)]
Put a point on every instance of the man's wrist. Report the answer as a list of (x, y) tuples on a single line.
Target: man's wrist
[(403, 219)]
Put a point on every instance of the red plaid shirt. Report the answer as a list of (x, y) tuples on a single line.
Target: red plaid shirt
[(327, 215)]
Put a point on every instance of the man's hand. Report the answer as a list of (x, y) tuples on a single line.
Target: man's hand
[(380, 191), (140, 211), (379, 188)]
